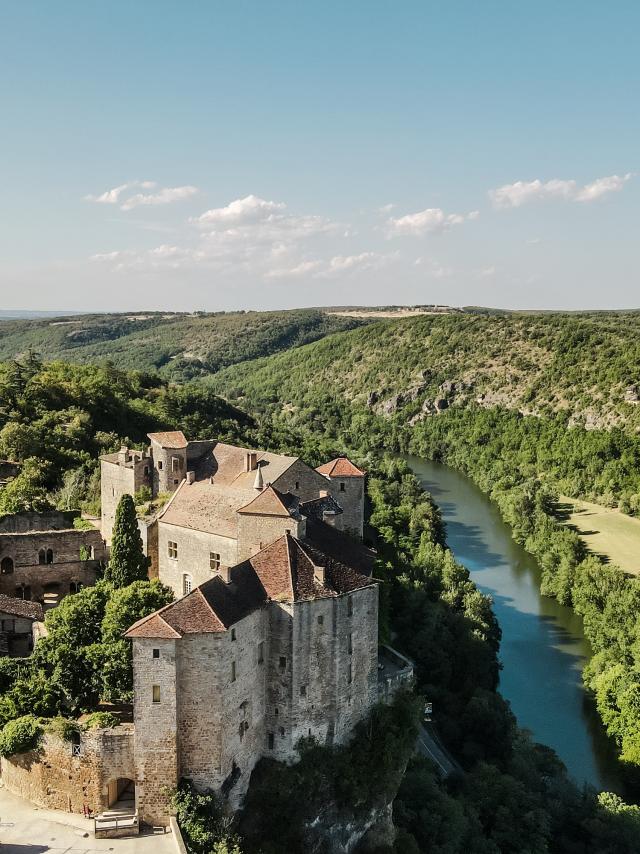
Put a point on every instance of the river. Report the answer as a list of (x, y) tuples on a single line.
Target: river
[(543, 649)]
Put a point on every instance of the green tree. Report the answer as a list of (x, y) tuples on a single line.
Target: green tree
[(128, 562)]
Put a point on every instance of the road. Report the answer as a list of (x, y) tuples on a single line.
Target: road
[(429, 745), (27, 829)]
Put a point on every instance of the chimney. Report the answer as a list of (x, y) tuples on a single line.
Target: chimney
[(258, 482), (324, 493), (250, 461), (191, 476), (123, 453), (224, 573), (318, 574)]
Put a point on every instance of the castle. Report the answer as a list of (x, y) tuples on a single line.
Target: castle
[(273, 636)]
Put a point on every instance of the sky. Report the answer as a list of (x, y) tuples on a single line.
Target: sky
[(273, 154)]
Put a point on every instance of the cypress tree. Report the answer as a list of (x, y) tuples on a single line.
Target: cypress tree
[(127, 562)]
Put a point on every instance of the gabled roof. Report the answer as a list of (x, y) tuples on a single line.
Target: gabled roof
[(270, 502), (340, 467), (21, 608), (173, 439), (284, 571)]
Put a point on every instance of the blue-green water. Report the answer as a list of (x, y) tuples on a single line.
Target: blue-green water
[(543, 649)]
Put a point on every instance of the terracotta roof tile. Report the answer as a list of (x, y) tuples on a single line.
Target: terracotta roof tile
[(284, 571), (21, 608), (152, 626), (340, 467), (270, 502), (169, 439)]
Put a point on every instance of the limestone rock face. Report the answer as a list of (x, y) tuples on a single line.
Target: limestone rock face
[(340, 832)]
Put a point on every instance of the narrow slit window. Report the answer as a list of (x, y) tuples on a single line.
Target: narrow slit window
[(261, 652), (233, 671), (155, 693), (156, 653), (270, 741)]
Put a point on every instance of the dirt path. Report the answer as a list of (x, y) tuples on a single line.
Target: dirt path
[(606, 532)]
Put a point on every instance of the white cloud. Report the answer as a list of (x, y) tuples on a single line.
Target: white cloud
[(602, 186), (386, 209), (304, 268), (522, 192), (251, 209), (163, 197), (112, 197), (426, 222)]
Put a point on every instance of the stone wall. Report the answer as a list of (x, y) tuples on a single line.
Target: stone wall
[(255, 532), (169, 467), (156, 727), (349, 493), (300, 480), (194, 548), (118, 478), (53, 777), (66, 569)]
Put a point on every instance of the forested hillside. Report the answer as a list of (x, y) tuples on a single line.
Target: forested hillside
[(178, 346), (55, 419), (585, 366)]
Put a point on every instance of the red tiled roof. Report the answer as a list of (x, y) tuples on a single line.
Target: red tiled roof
[(21, 608), (340, 467), (170, 439), (284, 571), (269, 502)]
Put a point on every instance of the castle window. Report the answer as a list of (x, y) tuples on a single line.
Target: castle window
[(49, 555), (214, 561), (233, 634), (261, 652), (350, 675), (156, 653), (350, 644), (175, 464), (6, 566), (186, 584), (233, 671), (175, 481), (303, 690), (297, 484), (282, 732), (113, 491), (155, 693), (42, 556), (172, 550), (159, 465), (320, 620), (283, 662), (350, 607), (342, 486), (270, 741), (276, 711), (146, 469)]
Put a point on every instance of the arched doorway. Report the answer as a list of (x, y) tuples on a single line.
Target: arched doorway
[(6, 566)]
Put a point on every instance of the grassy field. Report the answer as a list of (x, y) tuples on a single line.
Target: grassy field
[(606, 532)]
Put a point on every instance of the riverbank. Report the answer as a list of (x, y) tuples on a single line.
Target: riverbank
[(611, 535), (543, 648)]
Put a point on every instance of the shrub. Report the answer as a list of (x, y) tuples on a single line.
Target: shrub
[(100, 720), (20, 736)]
